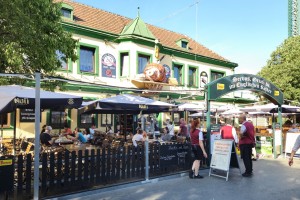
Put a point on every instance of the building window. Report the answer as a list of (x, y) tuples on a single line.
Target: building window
[(178, 73), (66, 13), (143, 60), (87, 59), (86, 120), (58, 119), (216, 75), (124, 65), (5, 120), (192, 77), (184, 44), (60, 56)]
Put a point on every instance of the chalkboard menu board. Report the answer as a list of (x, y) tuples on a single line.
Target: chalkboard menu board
[(171, 155), (27, 115)]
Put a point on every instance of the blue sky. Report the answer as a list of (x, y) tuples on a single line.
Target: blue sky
[(243, 31)]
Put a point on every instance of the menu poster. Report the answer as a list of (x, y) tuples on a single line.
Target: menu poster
[(174, 155), (221, 154), (27, 115)]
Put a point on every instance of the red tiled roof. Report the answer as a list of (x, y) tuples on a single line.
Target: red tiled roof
[(95, 18)]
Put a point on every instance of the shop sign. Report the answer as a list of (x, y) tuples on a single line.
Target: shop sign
[(108, 66), (5, 162), (21, 101), (27, 115), (143, 107), (250, 82)]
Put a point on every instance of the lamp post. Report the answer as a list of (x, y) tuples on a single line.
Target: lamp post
[(37, 135)]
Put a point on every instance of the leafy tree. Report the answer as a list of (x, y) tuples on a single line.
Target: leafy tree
[(283, 68), (30, 35)]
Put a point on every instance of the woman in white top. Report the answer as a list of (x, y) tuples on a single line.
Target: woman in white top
[(138, 137)]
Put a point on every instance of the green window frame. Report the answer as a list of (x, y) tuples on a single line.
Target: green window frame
[(67, 11), (82, 65), (65, 66), (141, 64), (193, 76), (124, 64), (87, 120), (183, 43), (58, 118), (215, 74), (178, 72)]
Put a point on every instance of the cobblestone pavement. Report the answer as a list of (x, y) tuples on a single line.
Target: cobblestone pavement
[(273, 179)]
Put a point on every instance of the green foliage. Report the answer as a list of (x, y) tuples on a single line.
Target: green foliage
[(30, 34), (283, 68)]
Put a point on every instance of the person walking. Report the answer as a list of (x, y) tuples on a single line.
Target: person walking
[(197, 148), (246, 142), (294, 150), (183, 131)]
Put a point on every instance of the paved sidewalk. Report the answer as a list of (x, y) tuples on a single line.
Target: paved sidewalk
[(272, 179)]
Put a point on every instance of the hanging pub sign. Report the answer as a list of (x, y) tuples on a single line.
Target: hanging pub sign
[(168, 71), (143, 106), (27, 115), (203, 79), (250, 82), (108, 66)]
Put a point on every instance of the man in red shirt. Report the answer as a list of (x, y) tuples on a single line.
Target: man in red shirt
[(247, 141), (228, 132)]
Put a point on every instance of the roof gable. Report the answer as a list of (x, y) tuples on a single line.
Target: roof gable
[(137, 27)]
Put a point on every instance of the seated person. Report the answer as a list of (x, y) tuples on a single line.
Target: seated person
[(294, 129), (43, 128), (166, 135), (45, 137), (79, 136), (92, 131), (67, 132), (110, 132), (139, 136), (86, 134)]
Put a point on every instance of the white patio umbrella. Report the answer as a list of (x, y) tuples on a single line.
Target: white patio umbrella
[(232, 112), (271, 108), (190, 107)]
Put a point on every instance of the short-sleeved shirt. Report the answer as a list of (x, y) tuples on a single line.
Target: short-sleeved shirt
[(92, 132), (45, 138), (137, 137), (81, 137), (297, 144), (293, 130)]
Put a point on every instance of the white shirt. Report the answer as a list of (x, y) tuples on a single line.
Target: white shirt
[(297, 144), (92, 132), (171, 129), (200, 134), (137, 137), (234, 135)]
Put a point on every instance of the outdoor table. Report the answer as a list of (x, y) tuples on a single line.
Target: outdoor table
[(62, 141)]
